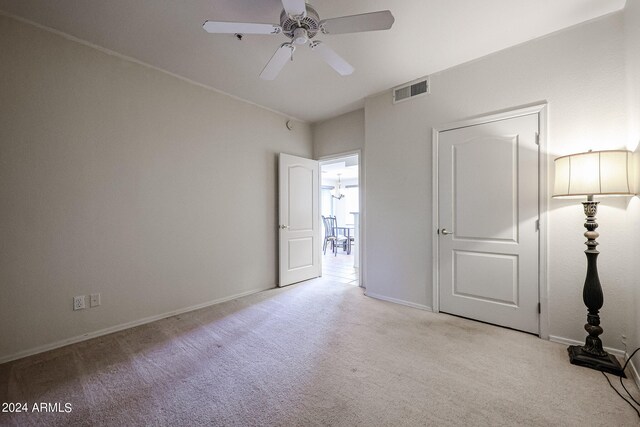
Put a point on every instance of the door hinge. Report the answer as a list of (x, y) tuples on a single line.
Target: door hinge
[(537, 225), (539, 308), (537, 138)]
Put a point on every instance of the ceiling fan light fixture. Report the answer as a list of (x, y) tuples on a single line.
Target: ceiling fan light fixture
[(300, 36)]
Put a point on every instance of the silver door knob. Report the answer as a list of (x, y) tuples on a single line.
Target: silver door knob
[(284, 226), (445, 231)]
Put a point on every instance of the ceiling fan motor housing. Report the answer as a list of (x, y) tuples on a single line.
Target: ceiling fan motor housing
[(310, 23)]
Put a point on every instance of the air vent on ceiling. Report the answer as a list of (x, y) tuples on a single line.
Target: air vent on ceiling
[(411, 90)]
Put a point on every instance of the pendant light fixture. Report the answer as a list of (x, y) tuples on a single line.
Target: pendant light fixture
[(338, 193)]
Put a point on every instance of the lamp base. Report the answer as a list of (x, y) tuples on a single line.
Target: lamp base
[(608, 363)]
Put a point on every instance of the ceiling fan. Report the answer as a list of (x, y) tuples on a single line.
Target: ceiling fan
[(300, 22)]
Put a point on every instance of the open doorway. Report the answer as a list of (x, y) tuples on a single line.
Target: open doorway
[(340, 210)]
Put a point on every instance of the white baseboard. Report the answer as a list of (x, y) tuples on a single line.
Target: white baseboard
[(634, 371), (123, 326), (622, 354), (561, 340), (398, 301)]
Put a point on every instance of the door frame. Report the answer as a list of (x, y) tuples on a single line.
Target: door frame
[(543, 160), (361, 202)]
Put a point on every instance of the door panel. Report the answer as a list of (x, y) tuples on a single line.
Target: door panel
[(485, 276), (299, 227), (471, 180), (300, 253), (300, 180), (488, 200)]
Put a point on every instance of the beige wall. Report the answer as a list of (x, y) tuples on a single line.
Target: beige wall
[(580, 72), (632, 38), (340, 134), (121, 179)]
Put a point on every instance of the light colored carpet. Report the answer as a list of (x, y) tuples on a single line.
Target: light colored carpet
[(317, 353)]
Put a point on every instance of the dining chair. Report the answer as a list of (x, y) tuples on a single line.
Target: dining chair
[(339, 239), (331, 235), (328, 236)]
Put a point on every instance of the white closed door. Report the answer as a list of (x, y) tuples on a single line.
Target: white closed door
[(488, 212), (299, 228)]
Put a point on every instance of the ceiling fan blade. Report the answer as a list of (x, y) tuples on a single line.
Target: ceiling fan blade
[(294, 7), (373, 21), (277, 62), (332, 58), (240, 28)]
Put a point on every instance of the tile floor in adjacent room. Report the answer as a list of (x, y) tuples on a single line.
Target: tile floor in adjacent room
[(339, 267)]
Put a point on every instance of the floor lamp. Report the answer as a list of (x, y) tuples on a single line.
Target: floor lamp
[(596, 173)]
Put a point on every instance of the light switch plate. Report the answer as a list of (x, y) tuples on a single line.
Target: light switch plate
[(94, 301)]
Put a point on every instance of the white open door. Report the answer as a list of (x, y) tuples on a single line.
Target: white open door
[(488, 213), (299, 219)]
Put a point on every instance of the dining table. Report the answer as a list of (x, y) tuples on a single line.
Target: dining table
[(346, 231)]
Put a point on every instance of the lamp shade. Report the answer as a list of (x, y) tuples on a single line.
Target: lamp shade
[(595, 173)]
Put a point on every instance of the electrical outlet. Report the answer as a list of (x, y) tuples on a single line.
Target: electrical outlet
[(78, 302), (94, 300)]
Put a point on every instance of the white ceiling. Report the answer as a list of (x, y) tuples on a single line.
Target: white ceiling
[(428, 36), (345, 168)]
